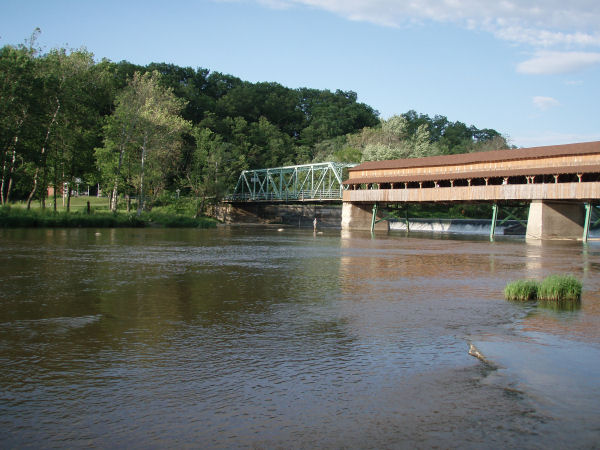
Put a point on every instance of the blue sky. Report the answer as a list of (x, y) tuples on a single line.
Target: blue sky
[(528, 68)]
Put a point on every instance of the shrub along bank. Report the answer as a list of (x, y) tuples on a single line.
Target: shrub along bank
[(22, 218)]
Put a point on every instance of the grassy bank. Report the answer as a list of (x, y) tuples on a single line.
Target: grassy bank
[(78, 204), (554, 288), (38, 218)]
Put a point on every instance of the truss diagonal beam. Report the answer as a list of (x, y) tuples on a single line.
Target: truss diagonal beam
[(289, 183)]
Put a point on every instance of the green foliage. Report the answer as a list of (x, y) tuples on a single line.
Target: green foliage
[(37, 218), (413, 135), (521, 290), (469, 211), (560, 287), (50, 128), (169, 204), (144, 130), (554, 288), (346, 155)]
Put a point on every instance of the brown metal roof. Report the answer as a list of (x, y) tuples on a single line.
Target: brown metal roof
[(583, 148), (466, 175)]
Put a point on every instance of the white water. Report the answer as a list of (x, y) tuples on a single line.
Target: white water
[(459, 226)]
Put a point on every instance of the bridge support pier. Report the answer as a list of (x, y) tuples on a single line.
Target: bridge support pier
[(555, 220), (358, 216)]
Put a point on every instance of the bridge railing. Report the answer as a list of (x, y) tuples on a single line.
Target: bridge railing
[(319, 181), (302, 195)]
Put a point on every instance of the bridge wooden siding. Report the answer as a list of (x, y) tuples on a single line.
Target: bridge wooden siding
[(541, 174), (515, 192)]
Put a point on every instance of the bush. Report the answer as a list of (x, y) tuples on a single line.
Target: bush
[(22, 218), (184, 206)]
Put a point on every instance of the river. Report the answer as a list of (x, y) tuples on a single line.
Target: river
[(252, 337)]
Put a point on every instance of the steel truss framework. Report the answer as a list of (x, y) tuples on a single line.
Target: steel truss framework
[(308, 182)]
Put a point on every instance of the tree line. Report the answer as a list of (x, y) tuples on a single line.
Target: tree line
[(145, 131)]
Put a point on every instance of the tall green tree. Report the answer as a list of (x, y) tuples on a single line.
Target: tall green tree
[(85, 95), (147, 123), (19, 90), (202, 174), (67, 116)]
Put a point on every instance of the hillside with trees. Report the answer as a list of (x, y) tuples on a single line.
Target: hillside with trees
[(149, 131)]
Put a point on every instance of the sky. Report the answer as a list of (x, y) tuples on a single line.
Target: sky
[(529, 69)]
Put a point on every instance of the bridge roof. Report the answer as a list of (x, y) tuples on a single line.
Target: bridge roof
[(584, 148), (464, 175)]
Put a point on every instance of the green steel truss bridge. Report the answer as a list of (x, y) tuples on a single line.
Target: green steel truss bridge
[(304, 183)]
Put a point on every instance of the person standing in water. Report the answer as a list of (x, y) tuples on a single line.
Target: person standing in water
[(315, 224)]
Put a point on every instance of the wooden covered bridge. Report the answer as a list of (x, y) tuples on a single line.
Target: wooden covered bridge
[(561, 183)]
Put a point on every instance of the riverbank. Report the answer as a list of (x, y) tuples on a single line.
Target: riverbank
[(37, 218)]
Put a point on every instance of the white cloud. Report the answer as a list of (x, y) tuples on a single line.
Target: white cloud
[(545, 38), (558, 62), (545, 103), (541, 23)]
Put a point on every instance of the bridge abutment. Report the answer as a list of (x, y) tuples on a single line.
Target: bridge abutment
[(555, 220), (301, 215), (359, 216)]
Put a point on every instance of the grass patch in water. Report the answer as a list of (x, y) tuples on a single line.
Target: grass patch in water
[(522, 290), (555, 288), (560, 287)]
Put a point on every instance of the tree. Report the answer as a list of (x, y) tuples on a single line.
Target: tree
[(421, 145), (332, 114), (146, 123), (271, 147), (377, 152), (65, 115), (19, 88), (202, 175), (85, 94), (411, 135), (395, 129)]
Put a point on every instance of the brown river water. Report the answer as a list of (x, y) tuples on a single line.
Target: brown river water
[(250, 337)]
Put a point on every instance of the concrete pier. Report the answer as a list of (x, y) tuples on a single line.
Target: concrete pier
[(356, 216), (555, 220), (299, 214)]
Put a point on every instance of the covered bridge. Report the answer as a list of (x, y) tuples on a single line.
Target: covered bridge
[(558, 180)]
